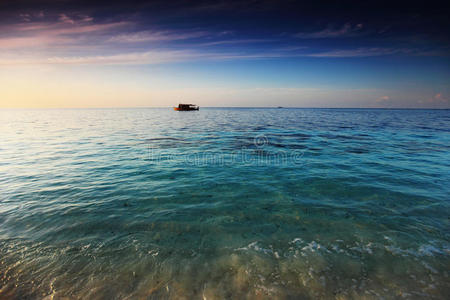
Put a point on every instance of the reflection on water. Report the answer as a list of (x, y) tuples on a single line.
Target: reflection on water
[(109, 204)]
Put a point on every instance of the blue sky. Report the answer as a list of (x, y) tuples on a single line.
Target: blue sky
[(224, 53)]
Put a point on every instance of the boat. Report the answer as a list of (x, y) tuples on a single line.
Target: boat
[(186, 107)]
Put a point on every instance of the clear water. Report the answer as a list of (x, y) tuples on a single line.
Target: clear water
[(224, 203)]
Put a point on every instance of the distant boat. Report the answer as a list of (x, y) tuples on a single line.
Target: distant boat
[(280, 107), (186, 107)]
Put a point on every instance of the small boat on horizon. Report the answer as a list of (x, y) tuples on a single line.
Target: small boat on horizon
[(186, 107)]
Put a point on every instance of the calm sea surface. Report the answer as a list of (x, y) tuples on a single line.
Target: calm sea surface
[(224, 203)]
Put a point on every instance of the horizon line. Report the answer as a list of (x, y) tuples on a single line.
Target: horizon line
[(240, 107)]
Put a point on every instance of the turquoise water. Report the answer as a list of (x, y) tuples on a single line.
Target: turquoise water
[(224, 203)]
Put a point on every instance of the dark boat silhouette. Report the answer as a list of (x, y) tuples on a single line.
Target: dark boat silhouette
[(186, 107)]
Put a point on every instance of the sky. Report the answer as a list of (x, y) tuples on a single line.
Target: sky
[(249, 53)]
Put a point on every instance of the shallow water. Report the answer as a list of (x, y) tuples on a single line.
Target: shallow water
[(224, 203)]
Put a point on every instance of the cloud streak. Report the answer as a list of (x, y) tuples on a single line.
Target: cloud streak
[(68, 32), (157, 56), (46, 34), (346, 30), (153, 35), (167, 55), (148, 57), (363, 52)]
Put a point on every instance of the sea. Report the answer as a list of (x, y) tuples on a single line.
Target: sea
[(224, 203)]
